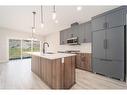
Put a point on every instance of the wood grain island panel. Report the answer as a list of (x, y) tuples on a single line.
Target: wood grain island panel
[(56, 73)]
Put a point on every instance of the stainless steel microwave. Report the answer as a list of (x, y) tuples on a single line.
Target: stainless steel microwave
[(73, 41)]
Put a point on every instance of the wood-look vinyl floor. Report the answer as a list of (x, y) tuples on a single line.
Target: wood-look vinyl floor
[(17, 74)]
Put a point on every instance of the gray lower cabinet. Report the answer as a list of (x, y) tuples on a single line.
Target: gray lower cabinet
[(108, 52)]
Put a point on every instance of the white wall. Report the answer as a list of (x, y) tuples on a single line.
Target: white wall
[(5, 35), (54, 42)]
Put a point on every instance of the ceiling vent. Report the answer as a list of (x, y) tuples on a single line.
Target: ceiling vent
[(74, 24)]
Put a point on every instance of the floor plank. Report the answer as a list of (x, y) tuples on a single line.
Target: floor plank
[(17, 74)]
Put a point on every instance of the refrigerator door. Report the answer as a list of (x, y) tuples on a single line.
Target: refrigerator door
[(115, 52), (98, 44)]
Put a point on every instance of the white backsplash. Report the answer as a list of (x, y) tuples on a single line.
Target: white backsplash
[(54, 44)]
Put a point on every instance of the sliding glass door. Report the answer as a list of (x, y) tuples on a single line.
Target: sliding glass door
[(36, 46), (18, 48), (14, 49), (26, 47)]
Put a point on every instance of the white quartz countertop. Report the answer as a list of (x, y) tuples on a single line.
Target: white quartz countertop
[(51, 56)]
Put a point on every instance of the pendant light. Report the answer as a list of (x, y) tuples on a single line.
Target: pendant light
[(54, 13), (33, 28), (42, 17)]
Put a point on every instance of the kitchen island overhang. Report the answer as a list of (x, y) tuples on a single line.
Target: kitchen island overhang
[(56, 70)]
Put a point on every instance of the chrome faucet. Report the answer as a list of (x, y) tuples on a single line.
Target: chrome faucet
[(44, 47)]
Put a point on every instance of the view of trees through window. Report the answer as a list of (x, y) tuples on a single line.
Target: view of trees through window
[(17, 48), (14, 49), (26, 47)]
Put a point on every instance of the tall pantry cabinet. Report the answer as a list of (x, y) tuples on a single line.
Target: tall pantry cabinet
[(109, 43)]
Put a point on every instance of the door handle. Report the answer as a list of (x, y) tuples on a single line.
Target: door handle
[(105, 44), (105, 59)]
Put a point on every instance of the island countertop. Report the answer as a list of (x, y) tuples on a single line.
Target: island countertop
[(51, 56)]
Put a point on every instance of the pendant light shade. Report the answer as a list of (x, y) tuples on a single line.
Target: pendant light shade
[(54, 13), (33, 28)]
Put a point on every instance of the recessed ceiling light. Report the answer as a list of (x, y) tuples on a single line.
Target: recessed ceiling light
[(79, 8)]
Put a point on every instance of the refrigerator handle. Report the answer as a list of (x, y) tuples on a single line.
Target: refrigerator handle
[(104, 43)]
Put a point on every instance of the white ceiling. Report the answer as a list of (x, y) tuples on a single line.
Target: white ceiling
[(20, 17)]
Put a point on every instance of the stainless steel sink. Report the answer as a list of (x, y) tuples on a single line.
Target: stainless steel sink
[(49, 53)]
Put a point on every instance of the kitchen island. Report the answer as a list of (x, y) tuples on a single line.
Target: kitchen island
[(56, 70)]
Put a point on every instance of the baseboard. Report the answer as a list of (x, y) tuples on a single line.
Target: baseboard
[(4, 61)]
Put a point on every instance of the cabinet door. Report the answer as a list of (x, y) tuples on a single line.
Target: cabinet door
[(115, 43), (98, 23), (88, 32), (62, 37), (115, 19), (35, 65), (98, 44), (75, 31), (82, 38), (69, 33)]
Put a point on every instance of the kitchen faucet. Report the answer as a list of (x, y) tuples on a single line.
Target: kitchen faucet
[(44, 47)]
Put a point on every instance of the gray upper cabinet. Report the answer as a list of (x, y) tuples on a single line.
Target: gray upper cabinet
[(85, 32), (62, 33), (88, 32), (98, 23), (75, 31), (82, 33), (115, 19), (110, 20), (69, 33)]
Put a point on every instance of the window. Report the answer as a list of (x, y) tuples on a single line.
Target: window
[(36, 46), (26, 47), (14, 49), (17, 48)]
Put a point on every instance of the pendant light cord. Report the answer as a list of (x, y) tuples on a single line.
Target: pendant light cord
[(54, 8), (41, 14)]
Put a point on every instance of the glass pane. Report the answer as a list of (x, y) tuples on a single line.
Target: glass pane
[(14, 49), (36, 46), (26, 47)]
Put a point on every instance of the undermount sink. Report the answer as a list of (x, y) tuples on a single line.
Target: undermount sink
[(49, 53)]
